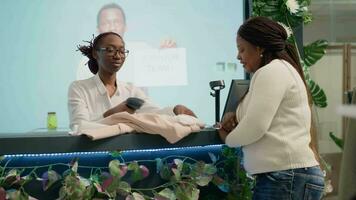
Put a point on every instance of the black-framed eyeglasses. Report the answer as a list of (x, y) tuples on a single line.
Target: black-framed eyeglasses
[(111, 51)]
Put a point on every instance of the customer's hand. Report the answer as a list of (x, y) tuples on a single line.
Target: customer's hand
[(223, 134), (180, 109), (229, 122)]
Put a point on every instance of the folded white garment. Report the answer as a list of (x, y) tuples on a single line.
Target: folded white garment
[(172, 128)]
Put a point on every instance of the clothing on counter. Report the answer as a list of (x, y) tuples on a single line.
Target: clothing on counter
[(173, 128)]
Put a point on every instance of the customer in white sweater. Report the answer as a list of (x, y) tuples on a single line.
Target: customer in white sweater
[(272, 123)]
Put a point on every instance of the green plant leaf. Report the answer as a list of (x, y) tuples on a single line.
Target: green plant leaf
[(136, 176), (318, 94), (195, 194), (203, 180), (177, 174), (338, 141), (165, 194), (165, 172), (209, 169), (133, 166), (89, 192), (278, 11), (159, 165), (135, 196), (116, 153), (112, 185), (179, 164), (98, 187), (12, 177), (72, 187), (74, 164), (314, 51), (305, 71), (62, 193), (269, 8), (49, 178), (84, 181), (213, 158), (227, 151), (18, 195), (114, 168), (124, 188), (224, 187), (187, 192)]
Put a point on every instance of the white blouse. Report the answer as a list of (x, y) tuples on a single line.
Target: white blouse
[(88, 100)]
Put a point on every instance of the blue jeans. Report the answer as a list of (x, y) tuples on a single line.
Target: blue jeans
[(294, 184)]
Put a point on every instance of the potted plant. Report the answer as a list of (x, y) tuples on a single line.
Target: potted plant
[(182, 178)]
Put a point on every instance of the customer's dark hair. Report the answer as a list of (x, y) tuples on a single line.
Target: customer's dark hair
[(272, 37), (87, 50)]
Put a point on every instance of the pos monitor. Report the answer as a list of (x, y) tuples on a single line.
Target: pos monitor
[(238, 89)]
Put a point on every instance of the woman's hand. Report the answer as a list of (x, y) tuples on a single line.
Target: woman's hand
[(122, 107), (228, 123), (223, 134), (180, 109)]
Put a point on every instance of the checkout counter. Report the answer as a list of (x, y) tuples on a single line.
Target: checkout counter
[(53, 147)]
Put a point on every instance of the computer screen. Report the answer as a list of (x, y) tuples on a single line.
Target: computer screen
[(238, 89)]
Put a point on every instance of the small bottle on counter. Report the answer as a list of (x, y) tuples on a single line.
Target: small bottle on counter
[(51, 120)]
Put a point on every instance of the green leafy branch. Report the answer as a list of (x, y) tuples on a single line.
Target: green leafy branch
[(292, 14), (338, 141), (183, 177)]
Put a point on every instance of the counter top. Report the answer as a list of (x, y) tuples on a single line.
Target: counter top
[(61, 141)]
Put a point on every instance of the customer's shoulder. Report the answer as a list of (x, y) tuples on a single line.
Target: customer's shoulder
[(275, 68), (276, 72)]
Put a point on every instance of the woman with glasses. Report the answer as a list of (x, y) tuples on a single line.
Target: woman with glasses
[(102, 95)]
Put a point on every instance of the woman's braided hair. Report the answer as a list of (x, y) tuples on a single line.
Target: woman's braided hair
[(272, 37), (87, 50)]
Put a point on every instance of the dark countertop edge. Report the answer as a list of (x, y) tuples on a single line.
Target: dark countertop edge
[(62, 142)]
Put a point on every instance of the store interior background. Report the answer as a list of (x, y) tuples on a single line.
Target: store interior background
[(333, 20)]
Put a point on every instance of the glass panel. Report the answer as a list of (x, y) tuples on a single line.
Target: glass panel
[(328, 73)]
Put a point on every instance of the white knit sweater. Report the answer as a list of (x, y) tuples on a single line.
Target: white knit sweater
[(274, 121)]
